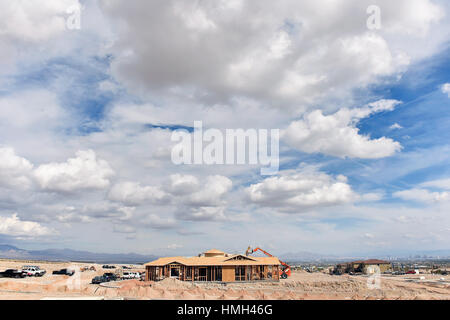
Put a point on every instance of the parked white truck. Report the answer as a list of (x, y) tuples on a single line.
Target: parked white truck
[(33, 271), (127, 275)]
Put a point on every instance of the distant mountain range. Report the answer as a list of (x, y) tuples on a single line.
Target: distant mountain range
[(11, 252)]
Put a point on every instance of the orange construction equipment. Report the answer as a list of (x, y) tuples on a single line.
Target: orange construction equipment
[(286, 269)]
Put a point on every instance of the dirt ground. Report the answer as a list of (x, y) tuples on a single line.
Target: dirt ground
[(300, 286)]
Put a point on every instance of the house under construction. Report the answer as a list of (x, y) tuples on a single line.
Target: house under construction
[(215, 265), (363, 266)]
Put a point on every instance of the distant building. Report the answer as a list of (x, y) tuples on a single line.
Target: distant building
[(370, 266), (214, 265)]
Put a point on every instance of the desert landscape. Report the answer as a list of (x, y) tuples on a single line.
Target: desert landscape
[(300, 286)]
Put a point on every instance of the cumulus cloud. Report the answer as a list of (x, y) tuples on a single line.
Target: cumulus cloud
[(13, 226), (300, 191), (288, 51), (85, 171), (446, 89), (132, 193), (337, 135), (182, 184), (211, 192), (15, 171), (195, 199)]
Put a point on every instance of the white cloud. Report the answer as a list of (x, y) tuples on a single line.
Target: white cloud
[(132, 193), (446, 89), (211, 193), (337, 134), (395, 126), (183, 184), (299, 191), (427, 193), (193, 200), (13, 226), (441, 184), (422, 195), (80, 173), (15, 171)]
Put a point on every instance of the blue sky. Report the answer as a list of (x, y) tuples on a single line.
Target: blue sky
[(86, 118)]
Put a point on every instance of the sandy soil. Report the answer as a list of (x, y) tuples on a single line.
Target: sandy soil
[(299, 286)]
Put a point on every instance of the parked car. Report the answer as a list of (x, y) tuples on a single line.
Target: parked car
[(411, 272), (99, 279), (107, 277), (106, 266), (12, 273), (110, 276), (67, 272), (127, 275), (33, 271)]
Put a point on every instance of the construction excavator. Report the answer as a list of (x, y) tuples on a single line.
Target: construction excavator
[(285, 269)]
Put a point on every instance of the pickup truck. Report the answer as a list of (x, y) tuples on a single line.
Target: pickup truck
[(67, 272), (130, 275), (12, 273), (33, 271), (110, 276)]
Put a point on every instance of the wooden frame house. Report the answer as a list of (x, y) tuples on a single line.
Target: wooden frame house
[(214, 265)]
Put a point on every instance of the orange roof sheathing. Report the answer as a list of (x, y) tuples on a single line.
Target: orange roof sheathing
[(215, 261)]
